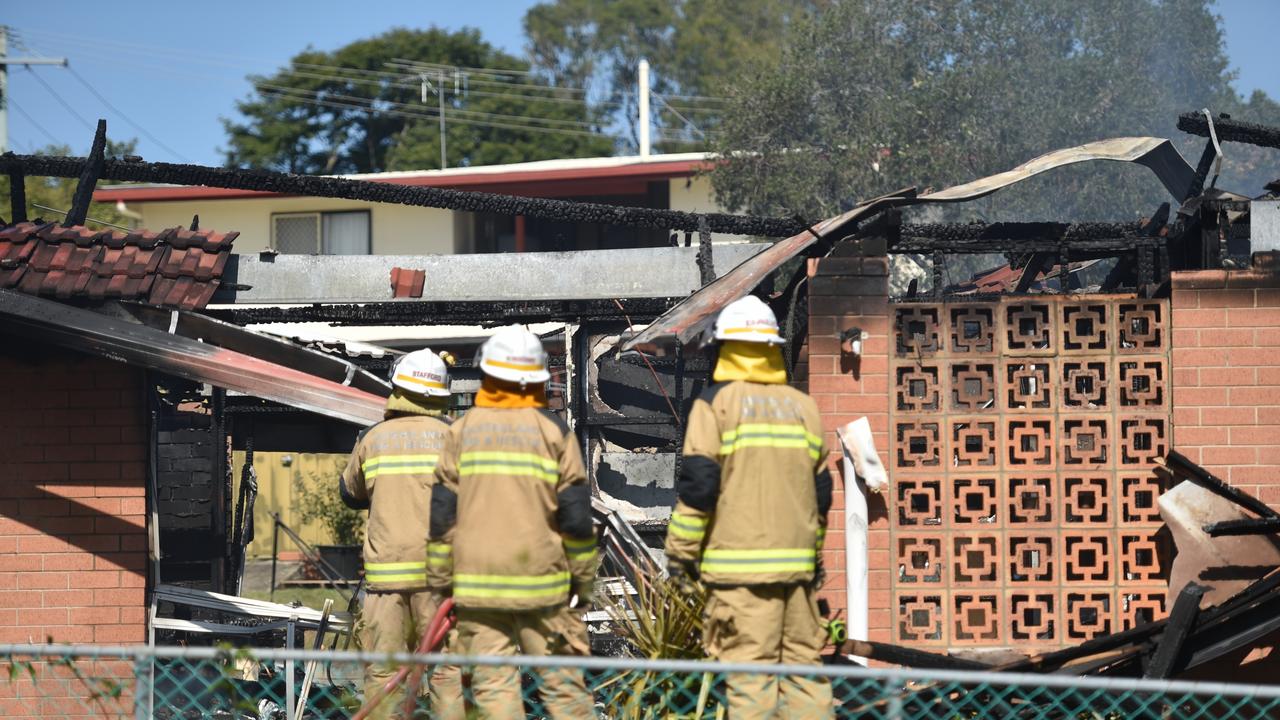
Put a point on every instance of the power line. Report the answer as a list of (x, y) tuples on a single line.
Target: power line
[(52, 140), (414, 84), (108, 56), (124, 117), (484, 70), (20, 144), (410, 67), (405, 78), (67, 106), (419, 108), (403, 82), (418, 115), (688, 123), (152, 51), (426, 115), (706, 98)]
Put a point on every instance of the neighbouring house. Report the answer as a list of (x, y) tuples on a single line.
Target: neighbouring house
[(315, 225)]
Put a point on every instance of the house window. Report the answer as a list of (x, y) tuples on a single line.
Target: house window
[(321, 233)]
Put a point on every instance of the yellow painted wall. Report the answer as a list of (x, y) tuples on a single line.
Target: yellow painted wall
[(276, 493), (695, 194), (395, 229)]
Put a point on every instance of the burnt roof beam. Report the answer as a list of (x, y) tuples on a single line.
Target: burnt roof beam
[(420, 196), (1078, 249), (17, 196), (1181, 622), (89, 174), (1228, 130)]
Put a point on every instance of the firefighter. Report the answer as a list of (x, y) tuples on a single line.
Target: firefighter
[(390, 473), (511, 531), (752, 502)]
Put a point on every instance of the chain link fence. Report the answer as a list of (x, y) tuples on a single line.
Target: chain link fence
[(244, 684)]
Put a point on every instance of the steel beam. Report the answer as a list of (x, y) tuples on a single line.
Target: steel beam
[(583, 275)]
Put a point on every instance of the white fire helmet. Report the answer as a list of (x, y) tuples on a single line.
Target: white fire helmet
[(422, 372), (515, 355), (748, 320)]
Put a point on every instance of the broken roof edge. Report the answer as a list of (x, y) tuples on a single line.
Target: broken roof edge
[(689, 319), (140, 345), (671, 165)]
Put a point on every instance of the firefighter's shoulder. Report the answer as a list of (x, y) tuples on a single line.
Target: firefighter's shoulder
[(708, 395), (560, 425)]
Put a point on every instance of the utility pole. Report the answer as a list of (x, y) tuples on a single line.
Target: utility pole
[(644, 107), (439, 89), (444, 162), (5, 62)]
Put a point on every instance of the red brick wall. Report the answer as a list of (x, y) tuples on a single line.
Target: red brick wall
[(1226, 375), (847, 292), (73, 542)]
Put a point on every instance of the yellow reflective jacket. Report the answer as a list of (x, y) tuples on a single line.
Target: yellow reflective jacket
[(753, 491), (390, 472), (511, 513)]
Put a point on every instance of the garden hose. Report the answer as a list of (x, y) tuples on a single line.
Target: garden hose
[(432, 638)]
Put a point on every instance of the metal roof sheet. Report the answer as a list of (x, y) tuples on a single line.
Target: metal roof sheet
[(686, 321)]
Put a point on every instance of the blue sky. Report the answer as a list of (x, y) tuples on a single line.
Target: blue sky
[(175, 68)]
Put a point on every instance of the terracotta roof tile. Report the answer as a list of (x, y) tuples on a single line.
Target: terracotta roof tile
[(174, 267), (406, 282)]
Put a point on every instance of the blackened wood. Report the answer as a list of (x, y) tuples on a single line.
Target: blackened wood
[(17, 196), (1179, 462), (1168, 654), (88, 178), (1263, 526)]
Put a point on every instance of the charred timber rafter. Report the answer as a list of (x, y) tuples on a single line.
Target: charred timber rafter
[(1228, 130), (89, 174), (1078, 249), (1178, 463), (1248, 526), (17, 196), (1018, 231), (1182, 620), (370, 191), (449, 313)]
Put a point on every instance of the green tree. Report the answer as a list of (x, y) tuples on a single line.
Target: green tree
[(359, 109), (866, 98), (696, 48), (56, 193), (1246, 169)]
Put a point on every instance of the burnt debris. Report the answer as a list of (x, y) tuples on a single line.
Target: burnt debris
[(1228, 130), (382, 192)]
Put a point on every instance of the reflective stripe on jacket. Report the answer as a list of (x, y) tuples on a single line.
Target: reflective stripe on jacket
[(749, 510), (391, 471), (512, 470)]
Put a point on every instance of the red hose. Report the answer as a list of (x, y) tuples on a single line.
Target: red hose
[(432, 637)]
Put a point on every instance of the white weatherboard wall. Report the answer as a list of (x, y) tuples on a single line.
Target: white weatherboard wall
[(396, 229)]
